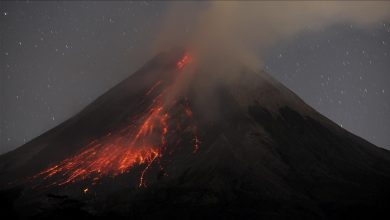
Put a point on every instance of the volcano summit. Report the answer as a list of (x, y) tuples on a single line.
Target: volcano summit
[(180, 139)]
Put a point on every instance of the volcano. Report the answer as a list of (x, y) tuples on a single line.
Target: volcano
[(187, 141)]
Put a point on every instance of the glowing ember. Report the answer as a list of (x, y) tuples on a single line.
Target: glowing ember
[(184, 61), (196, 144), (153, 88), (139, 144), (188, 111)]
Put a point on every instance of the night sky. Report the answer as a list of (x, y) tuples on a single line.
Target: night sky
[(57, 57)]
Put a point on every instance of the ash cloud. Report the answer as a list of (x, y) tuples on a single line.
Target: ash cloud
[(246, 30)]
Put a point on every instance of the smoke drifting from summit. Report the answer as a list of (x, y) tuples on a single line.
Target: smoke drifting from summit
[(60, 56), (246, 30), (224, 36)]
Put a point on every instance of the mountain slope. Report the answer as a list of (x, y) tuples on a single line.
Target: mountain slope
[(216, 144)]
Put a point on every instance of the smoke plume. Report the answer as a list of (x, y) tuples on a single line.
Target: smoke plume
[(246, 30)]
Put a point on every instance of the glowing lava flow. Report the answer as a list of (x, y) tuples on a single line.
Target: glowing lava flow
[(184, 61), (139, 144), (114, 154)]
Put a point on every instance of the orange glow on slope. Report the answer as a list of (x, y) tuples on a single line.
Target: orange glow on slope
[(186, 59), (114, 154), (138, 144)]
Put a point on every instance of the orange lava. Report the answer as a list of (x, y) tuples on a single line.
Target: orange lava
[(186, 59), (114, 154), (153, 87), (139, 144)]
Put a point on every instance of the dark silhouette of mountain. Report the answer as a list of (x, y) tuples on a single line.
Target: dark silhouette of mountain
[(177, 140)]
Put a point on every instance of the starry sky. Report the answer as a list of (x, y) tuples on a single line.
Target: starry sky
[(57, 57)]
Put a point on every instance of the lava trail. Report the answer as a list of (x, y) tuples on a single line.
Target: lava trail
[(140, 144)]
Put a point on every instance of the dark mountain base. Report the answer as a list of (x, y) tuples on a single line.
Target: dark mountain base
[(176, 203)]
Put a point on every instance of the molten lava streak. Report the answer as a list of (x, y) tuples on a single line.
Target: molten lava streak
[(139, 144), (186, 59), (115, 154)]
